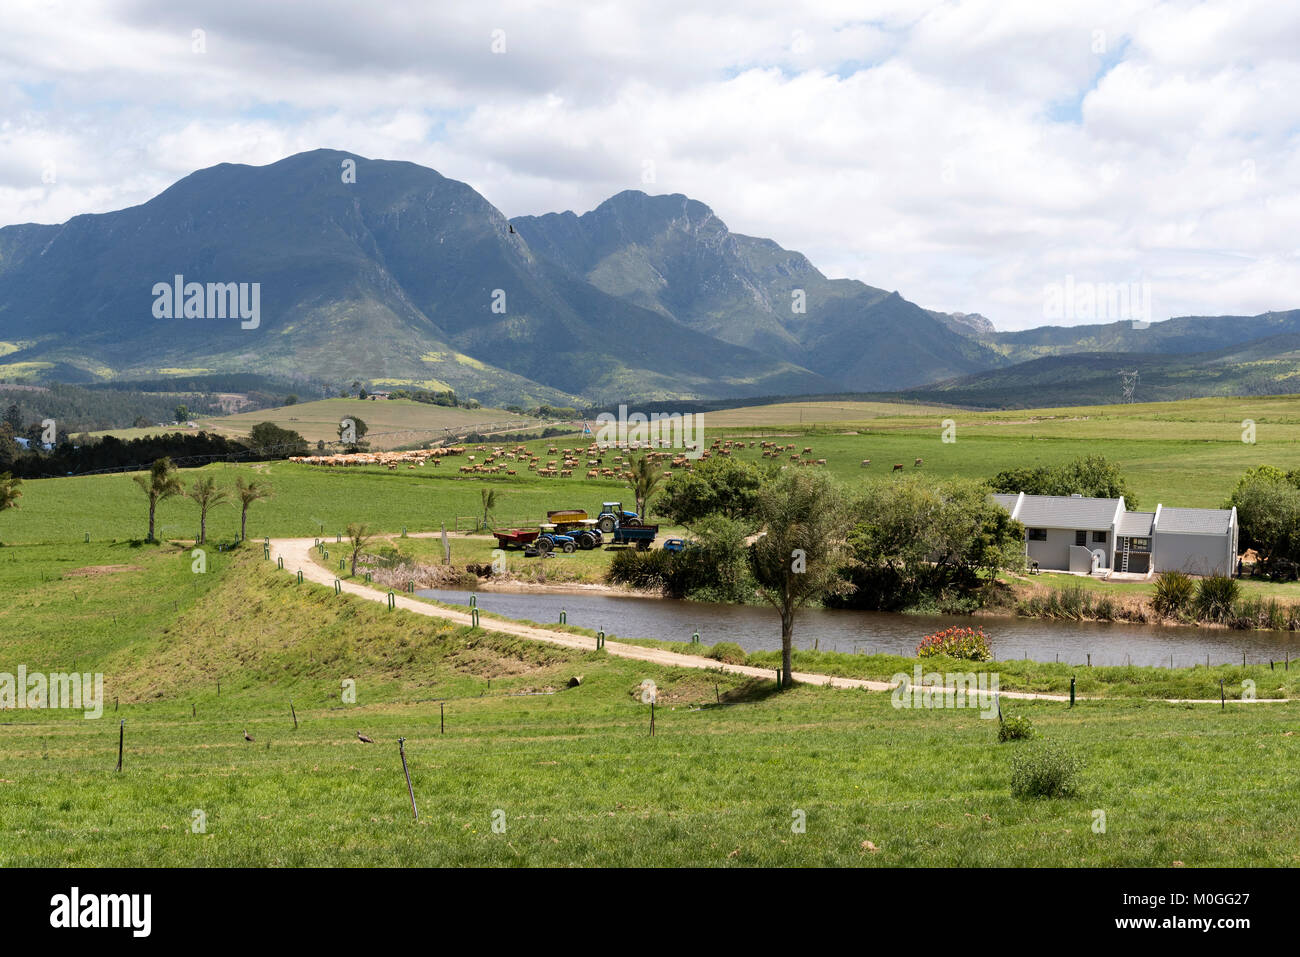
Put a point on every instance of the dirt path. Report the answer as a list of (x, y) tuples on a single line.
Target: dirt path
[(296, 553)]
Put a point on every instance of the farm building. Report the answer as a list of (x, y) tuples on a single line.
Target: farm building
[(1100, 536)]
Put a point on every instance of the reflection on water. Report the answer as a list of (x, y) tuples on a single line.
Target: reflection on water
[(758, 628)]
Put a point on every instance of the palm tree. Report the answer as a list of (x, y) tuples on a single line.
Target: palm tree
[(206, 493), (489, 496), (248, 493), (358, 536), (9, 493), (645, 478), (161, 483)]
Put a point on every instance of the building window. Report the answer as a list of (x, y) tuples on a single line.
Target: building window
[(1139, 544), (1081, 538), (1038, 534), (1099, 538)]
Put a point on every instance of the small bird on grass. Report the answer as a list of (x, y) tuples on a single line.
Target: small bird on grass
[(247, 736), (364, 739)]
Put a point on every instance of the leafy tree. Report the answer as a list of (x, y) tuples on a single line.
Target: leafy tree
[(268, 440), (1093, 476), (248, 493), (14, 418), (489, 497), (9, 491), (917, 536), (206, 494), (646, 478), (359, 536), (160, 483), (182, 414), (797, 559), (1268, 511), (717, 486), (8, 447), (359, 430)]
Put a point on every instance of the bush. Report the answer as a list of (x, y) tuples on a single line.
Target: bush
[(970, 644), (1015, 727), (1215, 597), (728, 652), (1046, 771), (1173, 593)]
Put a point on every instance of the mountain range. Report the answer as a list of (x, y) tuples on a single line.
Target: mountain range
[(399, 276)]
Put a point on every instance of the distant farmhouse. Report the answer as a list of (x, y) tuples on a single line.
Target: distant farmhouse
[(1098, 536)]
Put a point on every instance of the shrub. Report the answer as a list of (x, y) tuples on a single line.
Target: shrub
[(956, 642), (1104, 608), (1015, 727), (1216, 596), (1046, 771), (1173, 593), (728, 652)]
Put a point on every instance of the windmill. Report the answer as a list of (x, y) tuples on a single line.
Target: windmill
[(1129, 381)]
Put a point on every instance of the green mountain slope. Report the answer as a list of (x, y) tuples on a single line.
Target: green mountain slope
[(391, 279)]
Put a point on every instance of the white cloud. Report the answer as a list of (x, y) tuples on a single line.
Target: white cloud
[(966, 154)]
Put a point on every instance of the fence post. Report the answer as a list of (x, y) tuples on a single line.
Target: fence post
[(338, 587), (1071, 691), (473, 601), (474, 616), (564, 617), (279, 563), (392, 600), (300, 576)]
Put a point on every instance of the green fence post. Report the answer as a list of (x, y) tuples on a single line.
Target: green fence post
[(279, 563), (266, 551), (392, 601), (88, 538), (473, 601), (338, 587), (300, 576), (343, 563), (410, 587), (1071, 691), (473, 614), (564, 617), (600, 640), (695, 638)]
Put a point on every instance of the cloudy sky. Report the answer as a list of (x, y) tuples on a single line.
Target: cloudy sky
[(971, 155)]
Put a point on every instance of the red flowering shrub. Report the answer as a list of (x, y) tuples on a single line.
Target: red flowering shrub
[(956, 642)]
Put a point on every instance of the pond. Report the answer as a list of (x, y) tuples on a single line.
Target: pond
[(757, 628)]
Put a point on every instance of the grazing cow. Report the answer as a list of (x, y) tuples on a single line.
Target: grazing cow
[(593, 473), (821, 461), (866, 463), (510, 471), (916, 464), (898, 466), (807, 450)]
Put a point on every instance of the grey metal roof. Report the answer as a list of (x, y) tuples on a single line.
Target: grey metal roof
[(1006, 501), (1204, 521), (1135, 524), (1066, 511)]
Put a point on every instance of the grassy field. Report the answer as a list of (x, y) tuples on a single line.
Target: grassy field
[(569, 777), (392, 422)]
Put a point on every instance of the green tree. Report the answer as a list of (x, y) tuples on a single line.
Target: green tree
[(717, 486), (797, 559), (489, 497), (1268, 511), (352, 429), (160, 483), (10, 491), (207, 495), (359, 535), (14, 418), (248, 493), (182, 414), (1093, 476), (268, 440)]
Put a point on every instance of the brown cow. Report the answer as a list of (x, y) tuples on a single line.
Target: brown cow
[(917, 463), (898, 466)]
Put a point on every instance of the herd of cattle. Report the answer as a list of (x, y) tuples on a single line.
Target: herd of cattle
[(485, 460)]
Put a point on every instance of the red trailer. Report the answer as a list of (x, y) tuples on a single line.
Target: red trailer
[(516, 537)]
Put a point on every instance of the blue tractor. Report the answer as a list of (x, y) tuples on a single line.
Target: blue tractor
[(550, 539), (613, 515)]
